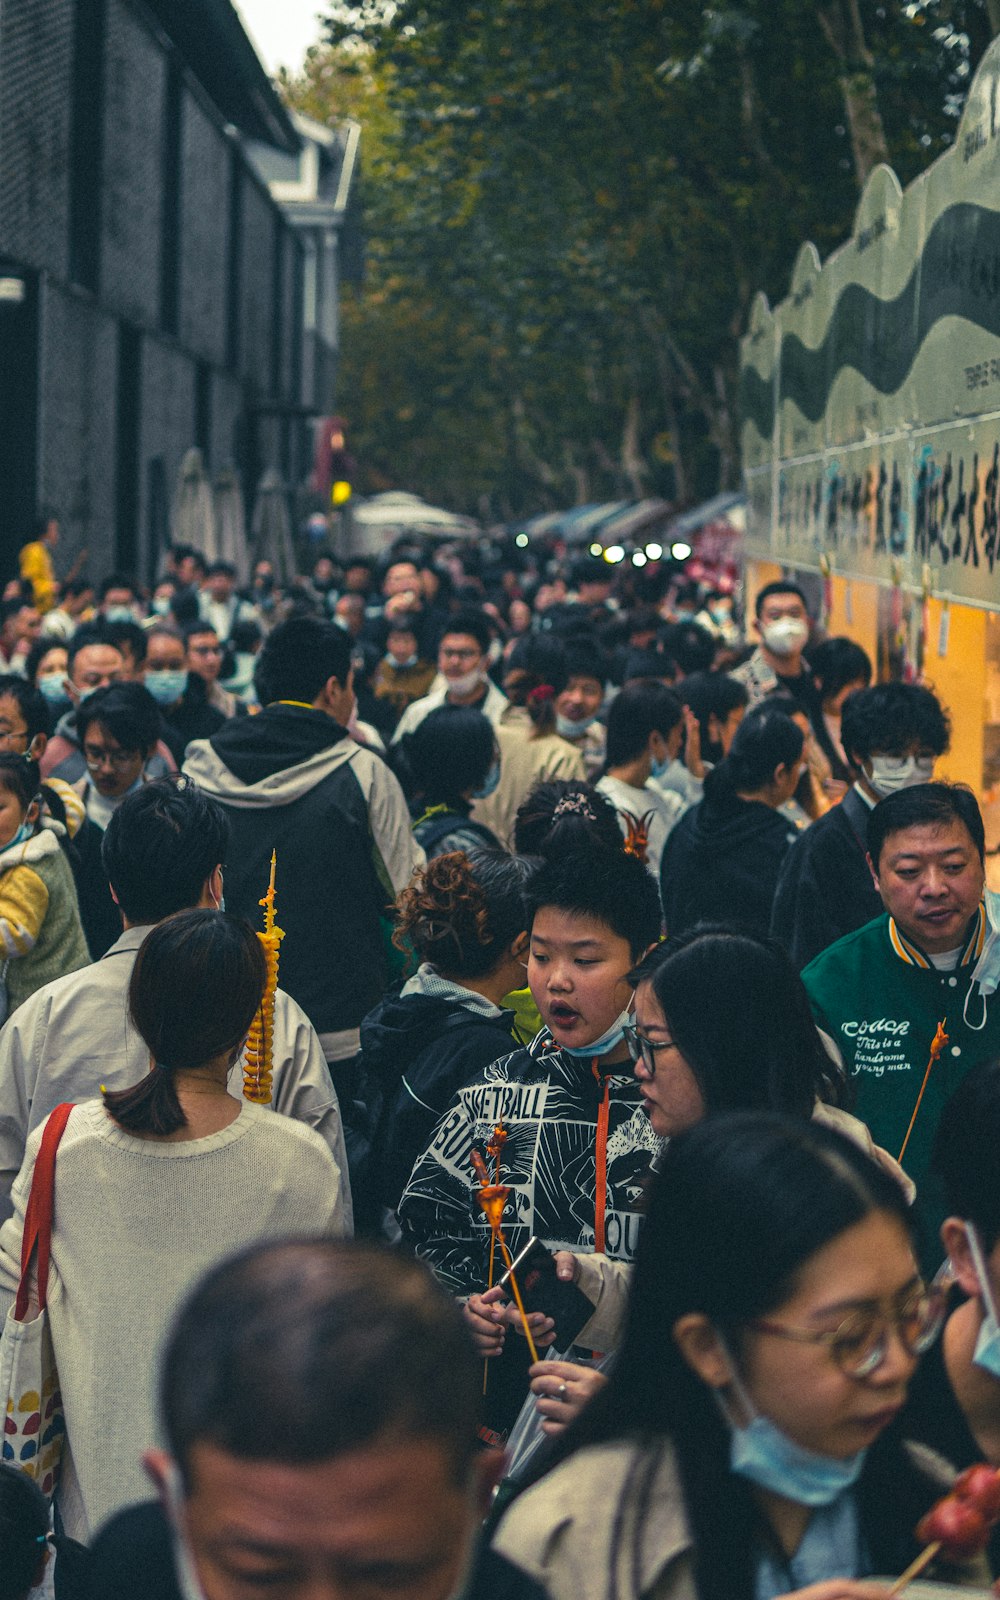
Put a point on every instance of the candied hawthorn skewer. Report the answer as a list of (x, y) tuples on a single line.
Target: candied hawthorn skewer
[(960, 1524), (492, 1198), (258, 1061)]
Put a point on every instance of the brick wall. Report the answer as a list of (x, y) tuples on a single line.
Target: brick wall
[(77, 435), (35, 55), (134, 81)]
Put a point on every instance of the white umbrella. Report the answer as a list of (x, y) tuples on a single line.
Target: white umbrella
[(192, 519), (231, 522), (272, 528)]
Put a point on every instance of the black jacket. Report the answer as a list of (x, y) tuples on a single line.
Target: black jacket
[(825, 888), (294, 781), (417, 1051), (721, 864)]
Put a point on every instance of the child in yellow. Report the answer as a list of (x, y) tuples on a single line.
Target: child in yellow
[(41, 936)]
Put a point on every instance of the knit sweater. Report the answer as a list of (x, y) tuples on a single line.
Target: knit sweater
[(41, 935), (137, 1223)]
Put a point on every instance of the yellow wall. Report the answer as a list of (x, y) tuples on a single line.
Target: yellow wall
[(854, 613), (959, 681)]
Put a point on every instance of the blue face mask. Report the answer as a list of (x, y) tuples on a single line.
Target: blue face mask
[(119, 614), (168, 686), (23, 833), (600, 1047), (768, 1458), (566, 728), (659, 768), (402, 666), (53, 687), (987, 1352), (489, 782), (765, 1456)]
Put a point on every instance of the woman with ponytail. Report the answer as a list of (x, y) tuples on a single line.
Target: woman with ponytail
[(531, 750), (722, 860), (154, 1185)]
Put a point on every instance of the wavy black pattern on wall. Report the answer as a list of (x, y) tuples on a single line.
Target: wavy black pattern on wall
[(958, 274)]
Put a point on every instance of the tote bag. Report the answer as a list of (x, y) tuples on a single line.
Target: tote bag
[(34, 1426)]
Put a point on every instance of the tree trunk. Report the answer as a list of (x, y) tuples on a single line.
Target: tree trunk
[(841, 23), (633, 465)]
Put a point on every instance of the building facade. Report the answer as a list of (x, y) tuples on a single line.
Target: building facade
[(154, 293)]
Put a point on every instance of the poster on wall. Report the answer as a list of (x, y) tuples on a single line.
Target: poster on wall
[(878, 405)]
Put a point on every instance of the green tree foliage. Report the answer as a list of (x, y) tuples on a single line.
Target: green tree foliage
[(571, 203)]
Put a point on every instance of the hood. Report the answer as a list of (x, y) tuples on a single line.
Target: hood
[(399, 1029), (41, 844), (66, 728), (723, 825), (270, 759)]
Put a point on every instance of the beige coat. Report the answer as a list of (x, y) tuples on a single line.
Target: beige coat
[(562, 1532)]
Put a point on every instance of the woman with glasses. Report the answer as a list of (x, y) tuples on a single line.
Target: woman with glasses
[(747, 1445), (118, 729)]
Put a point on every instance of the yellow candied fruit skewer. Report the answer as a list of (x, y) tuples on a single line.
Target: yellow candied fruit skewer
[(260, 1044)]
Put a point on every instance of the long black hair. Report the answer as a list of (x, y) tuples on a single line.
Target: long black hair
[(196, 987), (740, 1205), (766, 739), (739, 1014)]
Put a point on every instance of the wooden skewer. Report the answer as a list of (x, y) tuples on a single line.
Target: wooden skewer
[(915, 1568), (517, 1296)]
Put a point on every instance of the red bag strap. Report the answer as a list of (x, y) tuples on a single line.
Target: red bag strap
[(38, 1215)]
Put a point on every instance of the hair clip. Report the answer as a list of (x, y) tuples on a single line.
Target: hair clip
[(574, 805), (541, 695)]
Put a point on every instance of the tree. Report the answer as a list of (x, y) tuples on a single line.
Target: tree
[(570, 207)]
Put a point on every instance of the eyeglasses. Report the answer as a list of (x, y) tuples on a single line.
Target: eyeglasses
[(11, 733), (861, 1343), (645, 1049), (118, 759)]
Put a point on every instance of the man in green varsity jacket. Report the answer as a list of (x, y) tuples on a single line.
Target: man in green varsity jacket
[(881, 992)]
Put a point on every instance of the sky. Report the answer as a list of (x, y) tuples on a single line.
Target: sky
[(282, 30)]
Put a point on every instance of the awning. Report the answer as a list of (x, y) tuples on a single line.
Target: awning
[(728, 507)]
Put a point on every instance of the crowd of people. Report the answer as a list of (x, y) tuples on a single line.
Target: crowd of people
[(668, 943)]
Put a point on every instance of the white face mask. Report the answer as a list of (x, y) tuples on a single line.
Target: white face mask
[(468, 683), (785, 635), (889, 774)]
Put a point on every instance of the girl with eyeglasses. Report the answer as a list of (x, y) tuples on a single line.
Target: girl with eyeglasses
[(746, 1446)]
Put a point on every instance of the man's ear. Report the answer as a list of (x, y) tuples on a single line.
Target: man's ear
[(38, 746), (158, 1467), (874, 871), (955, 1238), (703, 1350)]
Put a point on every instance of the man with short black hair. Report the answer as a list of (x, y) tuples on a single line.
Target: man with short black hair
[(881, 992), (463, 659), (163, 852), (892, 734), (204, 659), (292, 779), (319, 1404), (781, 620), (220, 606)]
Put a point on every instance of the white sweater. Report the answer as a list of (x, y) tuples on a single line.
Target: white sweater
[(137, 1224)]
